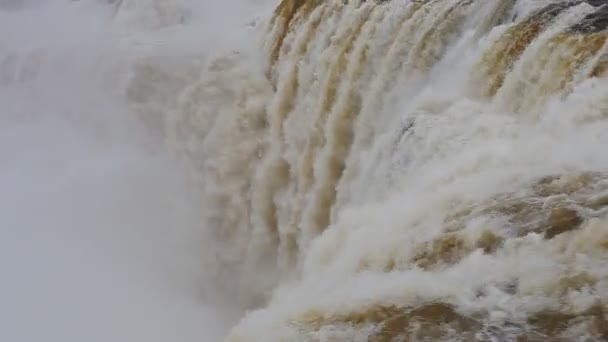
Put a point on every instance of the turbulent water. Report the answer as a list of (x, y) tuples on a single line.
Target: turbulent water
[(427, 170)]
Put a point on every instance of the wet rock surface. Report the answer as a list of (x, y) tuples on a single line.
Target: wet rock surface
[(594, 22)]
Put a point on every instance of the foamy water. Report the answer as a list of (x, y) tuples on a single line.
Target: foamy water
[(333, 171)]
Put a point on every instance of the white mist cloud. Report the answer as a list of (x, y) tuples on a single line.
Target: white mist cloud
[(100, 236), (99, 242)]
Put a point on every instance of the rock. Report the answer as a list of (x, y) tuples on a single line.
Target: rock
[(594, 22)]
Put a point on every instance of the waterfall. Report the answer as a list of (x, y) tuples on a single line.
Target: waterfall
[(410, 171), (396, 170)]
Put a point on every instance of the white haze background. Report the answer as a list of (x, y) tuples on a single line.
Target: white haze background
[(100, 238)]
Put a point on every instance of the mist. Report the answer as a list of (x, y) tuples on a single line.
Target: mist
[(99, 242), (100, 233)]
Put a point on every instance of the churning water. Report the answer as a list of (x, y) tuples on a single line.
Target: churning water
[(429, 170)]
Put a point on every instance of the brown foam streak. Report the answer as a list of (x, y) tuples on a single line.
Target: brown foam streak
[(287, 238), (500, 58), (377, 84), (340, 132), (407, 52), (394, 65), (566, 54), (304, 167), (276, 169), (284, 21), (427, 51), (584, 47), (318, 214), (287, 234)]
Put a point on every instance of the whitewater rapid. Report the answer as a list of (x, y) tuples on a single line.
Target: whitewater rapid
[(427, 170)]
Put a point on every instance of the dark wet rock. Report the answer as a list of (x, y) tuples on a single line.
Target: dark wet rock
[(553, 10), (594, 22)]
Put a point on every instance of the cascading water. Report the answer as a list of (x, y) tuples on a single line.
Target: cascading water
[(426, 170), (411, 170)]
